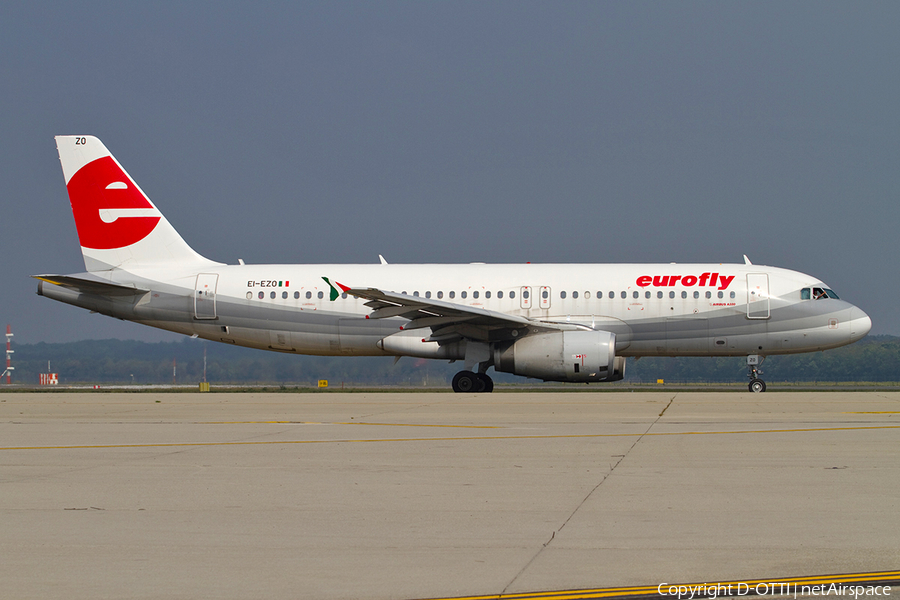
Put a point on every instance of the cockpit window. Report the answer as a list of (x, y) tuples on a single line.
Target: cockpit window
[(819, 294), (804, 294)]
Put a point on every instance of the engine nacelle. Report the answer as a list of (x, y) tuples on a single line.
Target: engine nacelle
[(580, 356)]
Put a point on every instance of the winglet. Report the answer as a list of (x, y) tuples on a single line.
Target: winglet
[(747, 260), (382, 259)]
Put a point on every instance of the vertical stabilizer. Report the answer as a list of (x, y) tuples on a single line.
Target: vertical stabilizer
[(118, 226)]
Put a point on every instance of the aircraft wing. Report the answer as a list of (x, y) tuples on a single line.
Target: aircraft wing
[(89, 284), (449, 320)]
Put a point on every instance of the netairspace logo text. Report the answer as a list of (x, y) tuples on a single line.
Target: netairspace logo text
[(710, 591)]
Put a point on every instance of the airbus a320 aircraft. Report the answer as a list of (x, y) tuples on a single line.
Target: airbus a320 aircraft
[(555, 322)]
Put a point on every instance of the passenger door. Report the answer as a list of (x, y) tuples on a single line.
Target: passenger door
[(757, 296), (205, 296)]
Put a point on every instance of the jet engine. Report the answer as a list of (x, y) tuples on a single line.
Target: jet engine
[(578, 356)]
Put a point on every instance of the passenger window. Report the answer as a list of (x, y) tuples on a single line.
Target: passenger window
[(487, 295), (671, 294), (696, 295), (308, 295), (732, 295), (262, 295), (321, 295), (659, 294), (284, 295), (562, 295), (249, 295), (416, 293), (452, 295), (624, 295), (344, 295), (587, 295), (428, 294), (635, 295), (708, 295), (499, 294), (525, 294), (545, 294), (475, 294), (575, 295), (647, 295), (440, 295), (612, 295), (296, 295), (462, 294), (721, 295), (512, 295), (272, 295)]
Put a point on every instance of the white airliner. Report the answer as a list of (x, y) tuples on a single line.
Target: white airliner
[(556, 322)]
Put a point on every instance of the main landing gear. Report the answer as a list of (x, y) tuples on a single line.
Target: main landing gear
[(467, 381), (756, 385)]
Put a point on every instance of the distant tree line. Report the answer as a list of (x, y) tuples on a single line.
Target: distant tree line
[(874, 359)]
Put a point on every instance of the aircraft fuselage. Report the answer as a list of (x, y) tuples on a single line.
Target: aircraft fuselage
[(556, 322)]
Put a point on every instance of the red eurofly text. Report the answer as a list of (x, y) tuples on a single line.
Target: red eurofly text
[(703, 280)]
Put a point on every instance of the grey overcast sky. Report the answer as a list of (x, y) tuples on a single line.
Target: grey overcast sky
[(305, 132)]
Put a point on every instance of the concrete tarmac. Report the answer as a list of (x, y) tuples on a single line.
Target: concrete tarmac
[(423, 495)]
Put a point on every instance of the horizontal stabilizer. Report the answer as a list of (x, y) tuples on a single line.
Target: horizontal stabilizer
[(91, 285)]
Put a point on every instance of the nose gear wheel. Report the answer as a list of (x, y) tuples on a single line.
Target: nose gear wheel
[(756, 385)]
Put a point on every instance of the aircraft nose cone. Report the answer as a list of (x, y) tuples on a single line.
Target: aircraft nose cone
[(860, 324)]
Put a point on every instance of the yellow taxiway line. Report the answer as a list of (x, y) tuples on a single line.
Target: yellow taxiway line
[(844, 586), (444, 439)]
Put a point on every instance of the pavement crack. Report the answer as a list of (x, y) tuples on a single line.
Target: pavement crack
[(587, 497), (665, 409), (552, 535)]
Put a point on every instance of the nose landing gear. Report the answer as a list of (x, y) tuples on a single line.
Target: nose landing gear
[(756, 385)]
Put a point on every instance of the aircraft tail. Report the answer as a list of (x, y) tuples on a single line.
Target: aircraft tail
[(118, 226)]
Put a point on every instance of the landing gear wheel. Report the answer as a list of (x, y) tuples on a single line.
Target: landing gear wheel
[(487, 382), (466, 381), (757, 385)]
